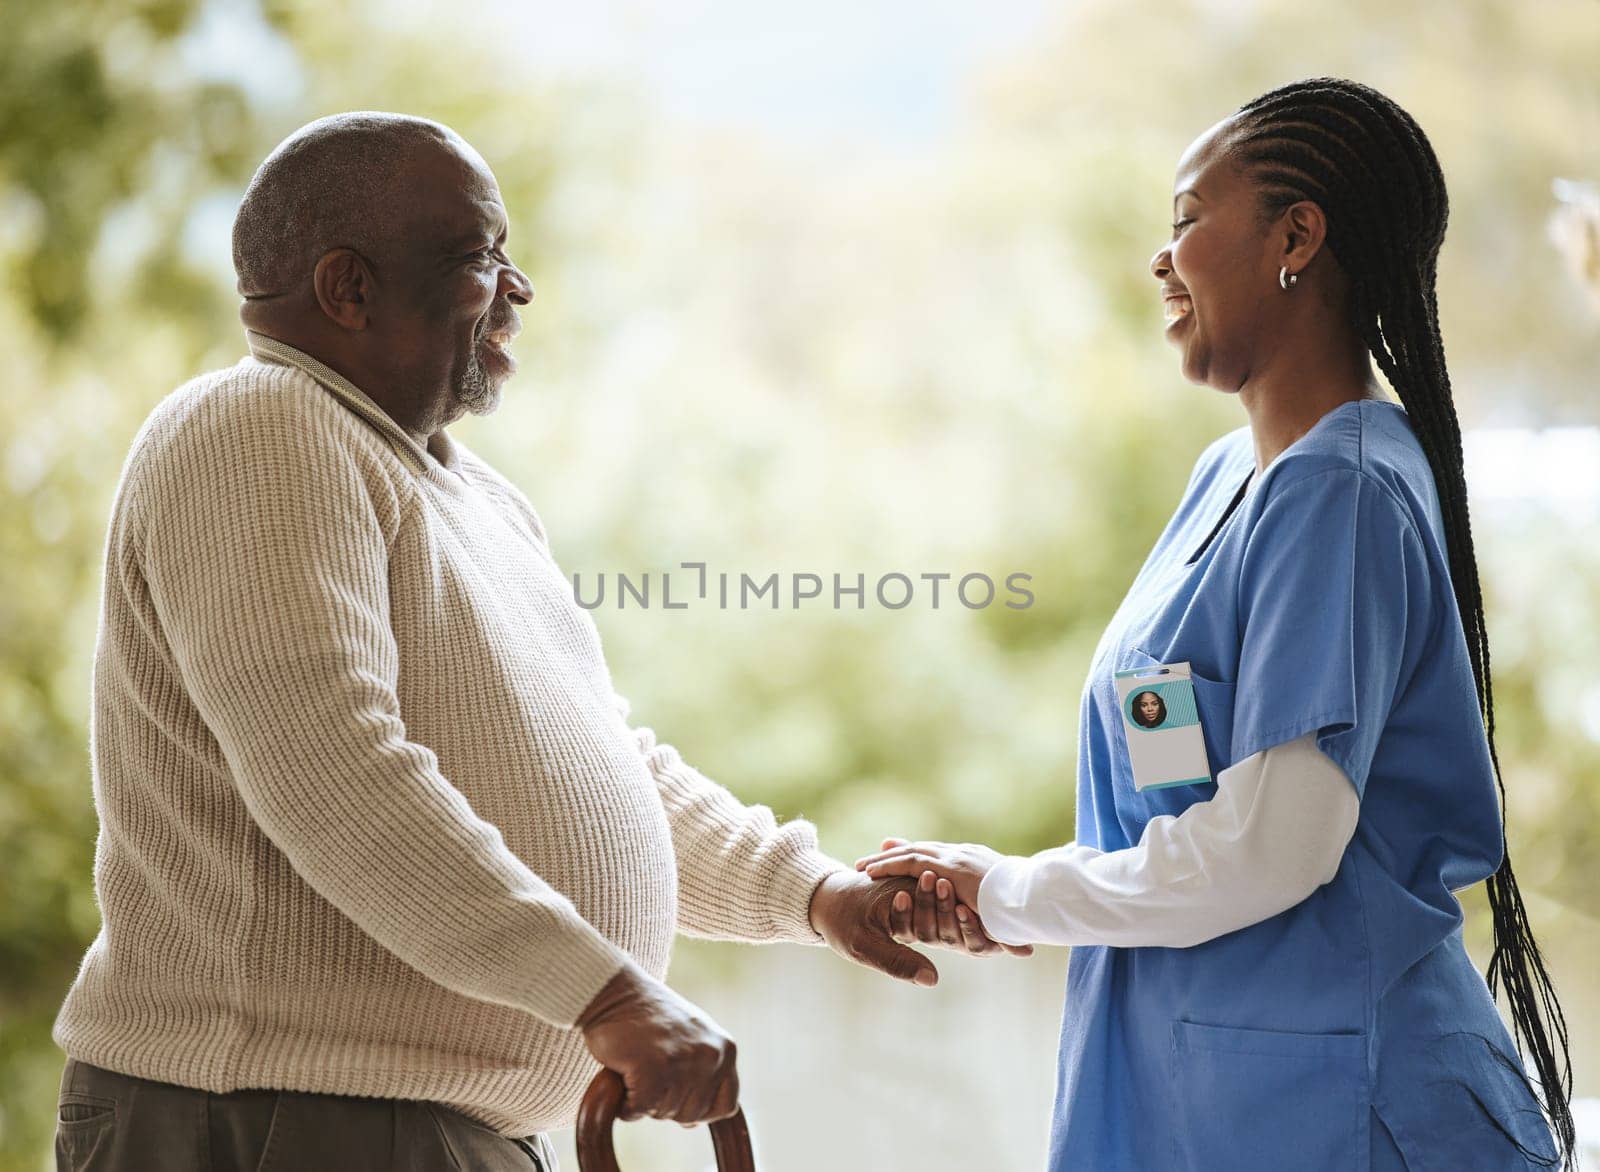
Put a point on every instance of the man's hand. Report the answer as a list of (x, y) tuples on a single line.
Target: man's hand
[(674, 1060), (852, 913)]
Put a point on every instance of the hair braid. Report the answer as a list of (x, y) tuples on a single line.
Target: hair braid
[(1371, 169)]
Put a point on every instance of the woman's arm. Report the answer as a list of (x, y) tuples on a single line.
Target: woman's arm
[(1274, 832)]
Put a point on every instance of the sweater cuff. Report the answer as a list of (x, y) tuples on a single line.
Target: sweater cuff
[(572, 967), (1003, 900), (789, 896)]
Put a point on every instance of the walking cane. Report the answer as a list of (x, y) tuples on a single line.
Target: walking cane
[(730, 1138)]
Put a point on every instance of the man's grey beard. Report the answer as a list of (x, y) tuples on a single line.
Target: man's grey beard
[(475, 392)]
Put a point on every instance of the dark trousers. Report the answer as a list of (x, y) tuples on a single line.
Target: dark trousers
[(110, 1122)]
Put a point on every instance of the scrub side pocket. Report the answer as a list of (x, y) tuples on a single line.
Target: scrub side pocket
[(1247, 1098)]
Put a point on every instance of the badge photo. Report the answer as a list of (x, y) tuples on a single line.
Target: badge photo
[(1162, 726)]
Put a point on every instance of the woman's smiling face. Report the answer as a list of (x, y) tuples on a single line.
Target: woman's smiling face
[(1216, 273)]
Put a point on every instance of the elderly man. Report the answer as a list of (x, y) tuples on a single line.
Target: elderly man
[(383, 870)]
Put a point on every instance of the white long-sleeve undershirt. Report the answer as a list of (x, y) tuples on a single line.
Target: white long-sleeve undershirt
[(1274, 832)]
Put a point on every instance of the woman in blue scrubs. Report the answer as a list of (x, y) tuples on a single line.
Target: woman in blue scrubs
[(1318, 577)]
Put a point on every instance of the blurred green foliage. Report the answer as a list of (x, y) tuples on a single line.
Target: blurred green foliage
[(81, 130), (774, 360)]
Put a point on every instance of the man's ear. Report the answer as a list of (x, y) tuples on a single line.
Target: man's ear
[(343, 284)]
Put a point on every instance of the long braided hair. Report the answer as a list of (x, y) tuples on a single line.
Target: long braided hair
[(1366, 163)]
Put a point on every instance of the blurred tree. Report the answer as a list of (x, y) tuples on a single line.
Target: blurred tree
[(88, 103), (91, 106)]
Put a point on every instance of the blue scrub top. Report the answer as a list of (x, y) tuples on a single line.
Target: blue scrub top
[(1323, 602)]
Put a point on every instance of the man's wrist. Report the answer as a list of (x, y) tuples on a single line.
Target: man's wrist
[(826, 887), (622, 987)]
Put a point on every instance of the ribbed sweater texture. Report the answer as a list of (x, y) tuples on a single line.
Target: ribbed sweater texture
[(372, 820)]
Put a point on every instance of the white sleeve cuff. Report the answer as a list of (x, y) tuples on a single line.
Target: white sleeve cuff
[(1016, 895)]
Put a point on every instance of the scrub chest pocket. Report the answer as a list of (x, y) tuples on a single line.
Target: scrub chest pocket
[(1246, 1098), (1213, 701)]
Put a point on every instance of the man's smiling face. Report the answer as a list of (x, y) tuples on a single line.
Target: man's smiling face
[(455, 289)]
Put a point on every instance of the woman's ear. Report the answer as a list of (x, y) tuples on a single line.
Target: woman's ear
[(1304, 227)]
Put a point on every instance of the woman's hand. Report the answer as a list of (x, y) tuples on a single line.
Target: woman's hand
[(945, 909)]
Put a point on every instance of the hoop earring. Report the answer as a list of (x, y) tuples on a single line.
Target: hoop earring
[(1292, 278)]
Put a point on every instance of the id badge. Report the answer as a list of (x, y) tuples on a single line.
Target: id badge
[(1165, 744)]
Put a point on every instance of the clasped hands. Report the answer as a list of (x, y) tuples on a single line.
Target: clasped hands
[(940, 904)]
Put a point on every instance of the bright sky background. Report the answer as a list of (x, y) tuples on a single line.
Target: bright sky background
[(890, 71), (893, 70)]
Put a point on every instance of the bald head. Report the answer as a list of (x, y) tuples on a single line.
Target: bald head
[(344, 181)]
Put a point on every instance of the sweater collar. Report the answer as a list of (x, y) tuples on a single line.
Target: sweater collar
[(440, 460)]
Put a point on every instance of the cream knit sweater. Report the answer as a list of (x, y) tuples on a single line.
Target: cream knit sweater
[(372, 820)]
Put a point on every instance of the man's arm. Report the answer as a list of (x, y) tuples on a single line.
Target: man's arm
[(741, 876), (265, 550)]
